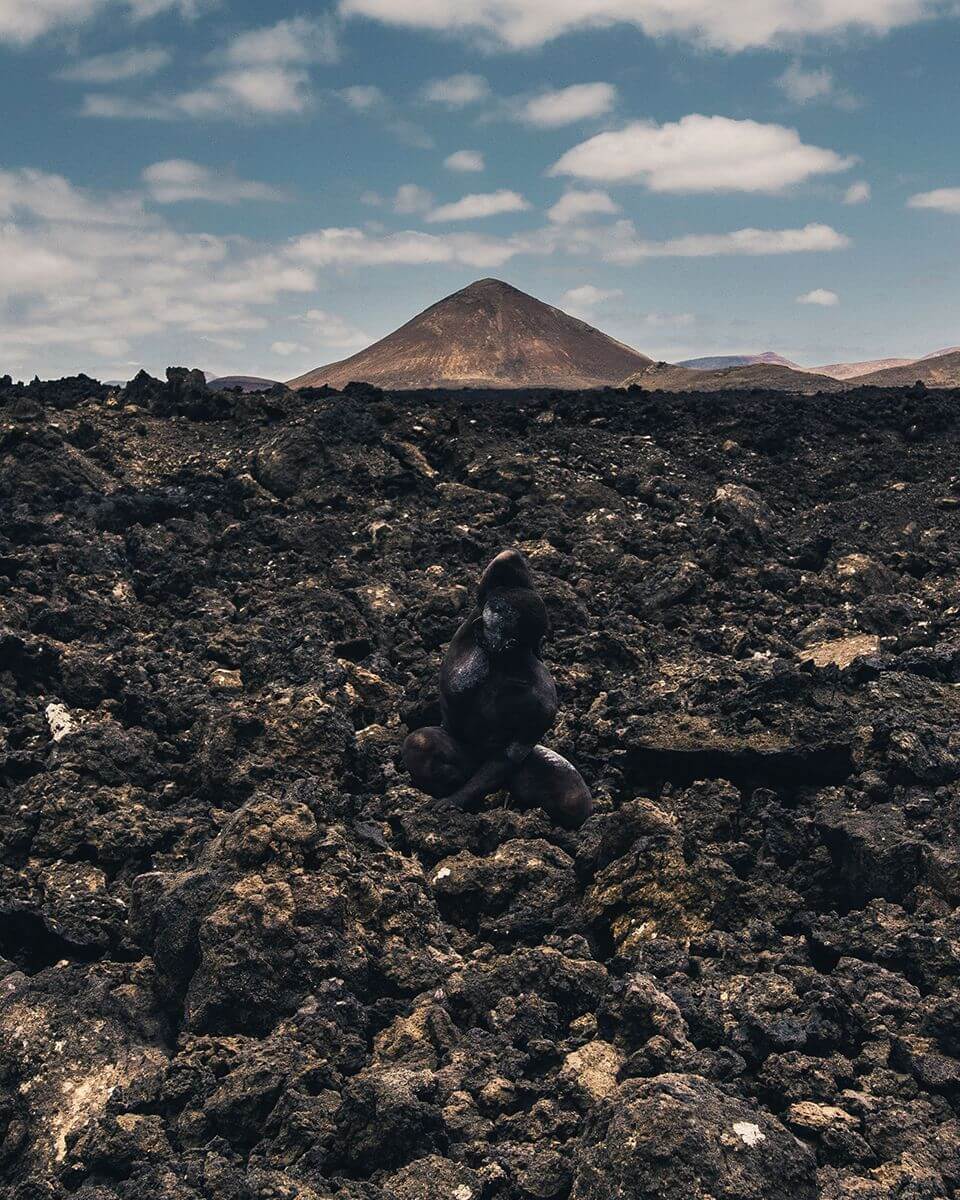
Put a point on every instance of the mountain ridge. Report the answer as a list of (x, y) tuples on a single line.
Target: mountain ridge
[(720, 362), (942, 370), (666, 377), (488, 334)]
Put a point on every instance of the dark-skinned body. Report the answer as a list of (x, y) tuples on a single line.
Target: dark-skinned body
[(497, 701)]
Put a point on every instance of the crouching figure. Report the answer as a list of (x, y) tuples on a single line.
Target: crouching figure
[(497, 700)]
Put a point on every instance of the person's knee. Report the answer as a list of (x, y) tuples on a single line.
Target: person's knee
[(432, 761), (419, 750), (574, 805), (418, 743)]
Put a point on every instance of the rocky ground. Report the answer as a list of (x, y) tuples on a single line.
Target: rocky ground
[(240, 958)]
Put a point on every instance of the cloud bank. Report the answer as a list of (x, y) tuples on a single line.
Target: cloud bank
[(522, 24), (700, 154)]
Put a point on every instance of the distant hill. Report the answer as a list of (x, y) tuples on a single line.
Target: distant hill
[(856, 370), (852, 369), (940, 371), (722, 361), (667, 378), (246, 383), (487, 335)]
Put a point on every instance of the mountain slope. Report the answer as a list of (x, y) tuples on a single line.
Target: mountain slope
[(853, 370), (666, 378), (856, 370), (942, 371), (720, 362), (246, 383), (487, 335)]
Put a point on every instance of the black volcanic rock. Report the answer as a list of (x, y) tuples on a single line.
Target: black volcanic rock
[(677, 1135), (487, 335), (241, 957)]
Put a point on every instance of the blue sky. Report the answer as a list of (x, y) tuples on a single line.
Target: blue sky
[(262, 188)]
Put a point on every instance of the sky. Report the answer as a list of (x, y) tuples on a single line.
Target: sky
[(261, 188)]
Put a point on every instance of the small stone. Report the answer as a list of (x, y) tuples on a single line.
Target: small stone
[(814, 1118), (226, 681), (749, 1133), (841, 652), (594, 1068), (60, 721)]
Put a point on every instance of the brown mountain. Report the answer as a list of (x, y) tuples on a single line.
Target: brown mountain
[(487, 335), (246, 383), (720, 362), (853, 369), (941, 371), (666, 378)]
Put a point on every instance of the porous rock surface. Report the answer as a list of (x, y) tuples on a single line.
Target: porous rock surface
[(241, 958)]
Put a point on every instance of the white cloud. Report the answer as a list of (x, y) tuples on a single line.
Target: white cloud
[(156, 108), (811, 238), (22, 21), (371, 101), (821, 297), (620, 242), (113, 68), (519, 24), (566, 105), (258, 92), (297, 40), (285, 349), (575, 205), (178, 179), (946, 200), (802, 86), (657, 320), (858, 193), (588, 296), (33, 266), (93, 272), (95, 277), (328, 329), (488, 204), (363, 97), (411, 198), (465, 160), (805, 86), (44, 197), (268, 90), (355, 247), (700, 154), (263, 73), (457, 91)]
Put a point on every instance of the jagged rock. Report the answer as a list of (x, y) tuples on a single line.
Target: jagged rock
[(227, 967), (524, 889), (433, 1176), (678, 1136), (860, 575)]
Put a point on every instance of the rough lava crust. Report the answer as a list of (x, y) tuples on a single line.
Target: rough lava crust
[(241, 958)]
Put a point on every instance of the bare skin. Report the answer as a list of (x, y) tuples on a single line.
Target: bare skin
[(497, 700)]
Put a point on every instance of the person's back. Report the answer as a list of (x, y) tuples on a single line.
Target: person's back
[(497, 700)]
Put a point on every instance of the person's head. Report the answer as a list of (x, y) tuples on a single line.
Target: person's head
[(508, 570), (513, 620)]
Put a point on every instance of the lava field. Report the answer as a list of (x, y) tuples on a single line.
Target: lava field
[(241, 958)]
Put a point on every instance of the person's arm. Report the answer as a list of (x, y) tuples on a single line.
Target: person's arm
[(491, 776)]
